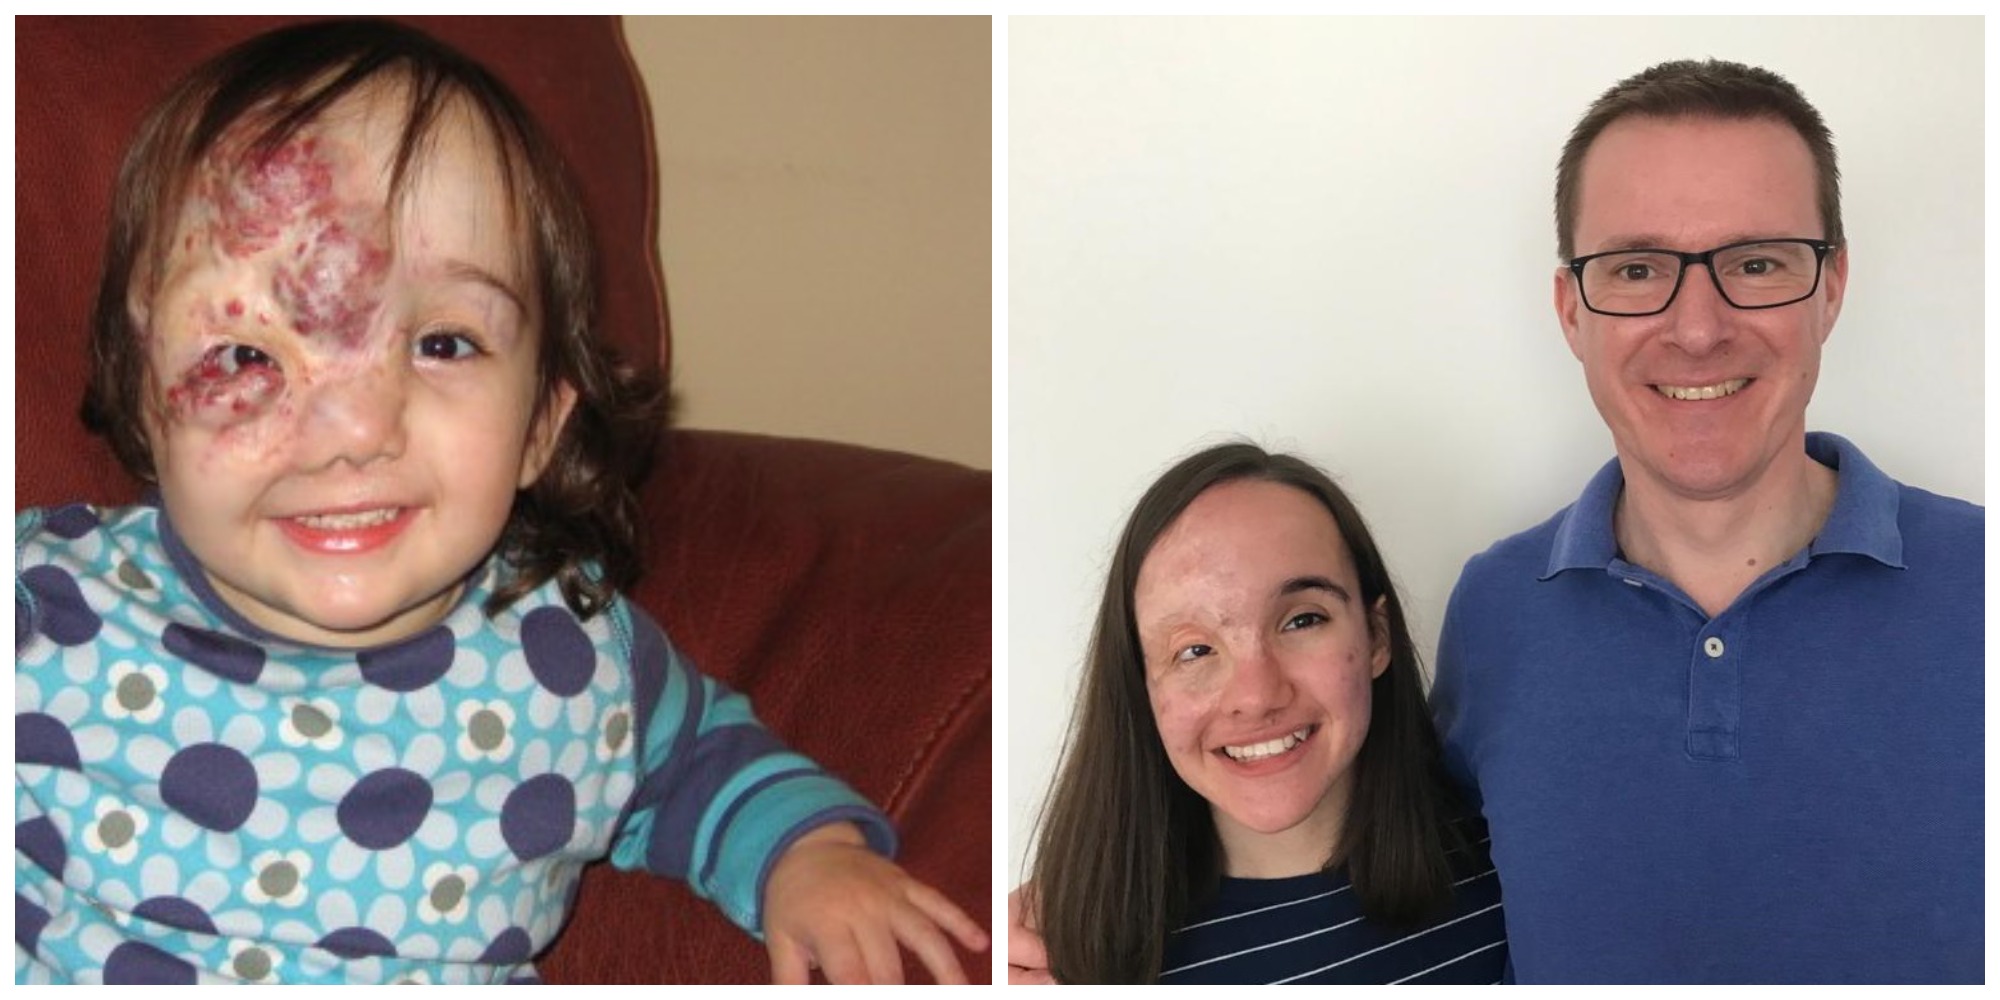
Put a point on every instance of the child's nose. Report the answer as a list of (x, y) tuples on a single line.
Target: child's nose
[(354, 417)]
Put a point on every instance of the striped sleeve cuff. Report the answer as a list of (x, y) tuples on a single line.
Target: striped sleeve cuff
[(761, 825)]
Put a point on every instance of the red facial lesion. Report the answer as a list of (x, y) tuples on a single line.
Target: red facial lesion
[(257, 196), (328, 256), (229, 384), (332, 285)]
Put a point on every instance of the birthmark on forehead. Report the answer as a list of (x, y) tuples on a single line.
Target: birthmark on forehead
[(328, 253), (256, 198)]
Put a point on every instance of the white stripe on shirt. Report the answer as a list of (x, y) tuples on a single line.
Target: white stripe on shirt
[(1448, 961), (1392, 944)]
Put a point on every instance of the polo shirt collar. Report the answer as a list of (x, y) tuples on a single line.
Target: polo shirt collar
[(1862, 521)]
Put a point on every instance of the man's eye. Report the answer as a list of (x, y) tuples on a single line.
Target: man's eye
[(1635, 272), (447, 346), (1759, 266), (1192, 653), (1304, 619), (229, 359)]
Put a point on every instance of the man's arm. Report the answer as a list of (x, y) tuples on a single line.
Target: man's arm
[(1450, 698)]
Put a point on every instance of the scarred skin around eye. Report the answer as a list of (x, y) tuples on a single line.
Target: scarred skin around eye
[(284, 231), (210, 391)]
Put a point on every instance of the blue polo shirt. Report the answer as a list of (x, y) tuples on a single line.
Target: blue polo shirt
[(1792, 790)]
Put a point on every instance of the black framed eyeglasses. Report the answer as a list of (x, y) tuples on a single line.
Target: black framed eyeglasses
[(1758, 274)]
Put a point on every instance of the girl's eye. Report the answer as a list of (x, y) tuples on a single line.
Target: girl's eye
[(232, 358), (448, 346), (1192, 653), (1304, 619)]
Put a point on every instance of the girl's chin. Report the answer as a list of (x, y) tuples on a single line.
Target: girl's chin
[(348, 624), (1273, 818)]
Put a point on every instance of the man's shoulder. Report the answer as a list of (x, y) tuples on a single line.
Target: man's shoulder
[(1944, 537), (1921, 510), (1524, 552), (1922, 517)]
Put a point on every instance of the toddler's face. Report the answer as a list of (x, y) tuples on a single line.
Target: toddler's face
[(342, 398)]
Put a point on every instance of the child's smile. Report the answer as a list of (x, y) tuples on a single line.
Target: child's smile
[(345, 395)]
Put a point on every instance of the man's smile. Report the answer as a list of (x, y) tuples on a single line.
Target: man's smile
[(1727, 387)]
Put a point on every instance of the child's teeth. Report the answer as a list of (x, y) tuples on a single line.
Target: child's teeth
[(343, 522), (1268, 748)]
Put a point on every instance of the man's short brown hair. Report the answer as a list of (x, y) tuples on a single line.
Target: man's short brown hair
[(1709, 88)]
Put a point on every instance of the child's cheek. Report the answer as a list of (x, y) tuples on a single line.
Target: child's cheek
[(329, 258)]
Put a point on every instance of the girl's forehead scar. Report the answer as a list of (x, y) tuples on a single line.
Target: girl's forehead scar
[(331, 254)]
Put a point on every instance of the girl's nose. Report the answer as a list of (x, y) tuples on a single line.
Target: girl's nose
[(1257, 684), (355, 417)]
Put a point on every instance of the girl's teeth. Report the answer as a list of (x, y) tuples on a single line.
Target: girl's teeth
[(348, 522), (1268, 748)]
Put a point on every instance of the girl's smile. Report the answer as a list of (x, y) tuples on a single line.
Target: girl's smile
[(346, 533)]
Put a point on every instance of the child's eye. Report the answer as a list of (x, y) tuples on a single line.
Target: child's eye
[(1192, 653), (229, 359), (1304, 619), (448, 345)]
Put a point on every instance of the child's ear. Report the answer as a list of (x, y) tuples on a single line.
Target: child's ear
[(138, 308), (547, 430), (1379, 640)]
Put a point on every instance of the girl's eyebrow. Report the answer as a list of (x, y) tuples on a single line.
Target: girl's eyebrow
[(459, 270), (1298, 583)]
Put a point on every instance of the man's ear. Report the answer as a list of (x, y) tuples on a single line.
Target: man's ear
[(1378, 637), (1567, 303), (1835, 280), (547, 430)]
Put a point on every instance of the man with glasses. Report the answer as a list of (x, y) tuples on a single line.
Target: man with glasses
[(1723, 713)]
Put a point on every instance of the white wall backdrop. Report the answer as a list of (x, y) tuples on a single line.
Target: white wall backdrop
[(1334, 236)]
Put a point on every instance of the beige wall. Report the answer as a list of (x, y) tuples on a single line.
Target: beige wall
[(826, 225)]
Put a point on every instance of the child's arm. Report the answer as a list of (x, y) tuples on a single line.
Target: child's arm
[(832, 903), (757, 828)]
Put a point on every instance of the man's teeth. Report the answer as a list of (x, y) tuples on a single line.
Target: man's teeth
[(1268, 748), (348, 522), (1691, 392)]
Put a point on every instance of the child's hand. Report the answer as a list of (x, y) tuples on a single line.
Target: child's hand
[(834, 904)]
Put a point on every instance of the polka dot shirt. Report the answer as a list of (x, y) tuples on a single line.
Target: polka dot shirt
[(199, 801)]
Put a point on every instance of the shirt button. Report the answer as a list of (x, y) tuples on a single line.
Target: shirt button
[(1713, 647)]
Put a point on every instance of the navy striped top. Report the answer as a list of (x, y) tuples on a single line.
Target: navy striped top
[(1309, 929)]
